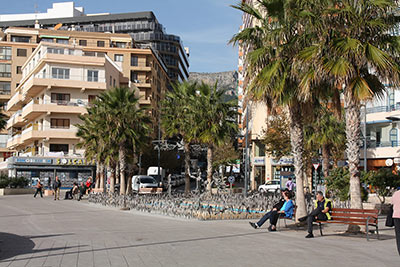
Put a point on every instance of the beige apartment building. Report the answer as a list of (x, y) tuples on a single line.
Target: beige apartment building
[(143, 67)]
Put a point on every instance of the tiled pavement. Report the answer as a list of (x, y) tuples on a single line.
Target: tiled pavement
[(44, 232)]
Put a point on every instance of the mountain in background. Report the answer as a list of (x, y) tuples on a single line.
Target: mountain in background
[(227, 81)]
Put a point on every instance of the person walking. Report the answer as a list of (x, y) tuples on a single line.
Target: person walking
[(396, 216), (321, 212), (56, 188), (39, 188), (289, 184)]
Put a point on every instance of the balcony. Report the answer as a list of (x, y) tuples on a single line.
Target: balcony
[(14, 102), (143, 100), (34, 109), (14, 141), (142, 83), (378, 114), (34, 133), (35, 84), (15, 120)]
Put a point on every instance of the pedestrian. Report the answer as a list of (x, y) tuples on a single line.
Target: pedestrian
[(321, 212), (56, 188), (89, 184), (39, 188), (396, 216), (82, 191), (289, 184), (49, 183)]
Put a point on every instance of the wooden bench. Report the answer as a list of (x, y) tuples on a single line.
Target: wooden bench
[(367, 217)]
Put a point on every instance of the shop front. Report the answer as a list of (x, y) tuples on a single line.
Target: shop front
[(282, 170), (69, 170)]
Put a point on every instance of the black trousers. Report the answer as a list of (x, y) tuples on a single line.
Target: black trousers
[(38, 190), (273, 217), (397, 231), (311, 218)]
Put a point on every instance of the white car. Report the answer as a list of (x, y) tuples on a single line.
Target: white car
[(270, 186), (143, 181)]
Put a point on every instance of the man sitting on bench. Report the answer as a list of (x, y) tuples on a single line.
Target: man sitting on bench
[(321, 212)]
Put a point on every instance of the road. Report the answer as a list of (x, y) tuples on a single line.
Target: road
[(44, 232)]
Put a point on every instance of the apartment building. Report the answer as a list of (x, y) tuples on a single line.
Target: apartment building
[(382, 130), (58, 83), (143, 27), (144, 68)]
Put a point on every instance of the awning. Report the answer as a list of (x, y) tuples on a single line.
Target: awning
[(395, 117), (52, 36)]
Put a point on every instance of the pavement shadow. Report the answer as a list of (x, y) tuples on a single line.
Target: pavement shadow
[(12, 245)]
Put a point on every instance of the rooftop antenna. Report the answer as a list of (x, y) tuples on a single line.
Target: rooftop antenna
[(37, 25)]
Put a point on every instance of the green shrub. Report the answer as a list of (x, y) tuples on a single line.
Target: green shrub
[(4, 181), (19, 182), (383, 181), (338, 184)]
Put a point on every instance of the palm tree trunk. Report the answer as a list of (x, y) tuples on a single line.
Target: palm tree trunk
[(117, 173), (325, 159), (97, 179), (353, 130), (210, 154), (122, 167), (187, 167), (297, 142), (112, 180), (101, 186)]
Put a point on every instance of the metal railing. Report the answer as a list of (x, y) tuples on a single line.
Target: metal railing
[(383, 108), (70, 77)]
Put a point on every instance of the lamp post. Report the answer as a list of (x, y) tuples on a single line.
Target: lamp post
[(246, 166)]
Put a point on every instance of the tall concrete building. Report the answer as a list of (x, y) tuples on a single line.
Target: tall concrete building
[(143, 27)]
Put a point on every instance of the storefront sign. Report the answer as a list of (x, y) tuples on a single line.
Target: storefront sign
[(33, 160), (283, 161), (67, 161), (389, 162), (396, 160), (259, 161)]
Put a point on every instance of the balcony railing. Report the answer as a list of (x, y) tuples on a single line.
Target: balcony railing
[(383, 108), (70, 77), (374, 144)]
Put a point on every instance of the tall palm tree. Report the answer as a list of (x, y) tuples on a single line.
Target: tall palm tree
[(275, 39), (216, 121), (178, 119), (126, 123), (357, 52)]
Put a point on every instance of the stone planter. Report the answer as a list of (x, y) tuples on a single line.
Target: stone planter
[(16, 191)]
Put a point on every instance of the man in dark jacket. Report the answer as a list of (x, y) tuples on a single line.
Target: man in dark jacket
[(56, 188)]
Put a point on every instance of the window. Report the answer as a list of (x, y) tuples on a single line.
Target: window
[(134, 60), (82, 42), (118, 44), (59, 123), (101, 43), (19, 69), (110, 80), (391, 101), (47, 40), (118, 58), (89, 53), (93, 75), (21, 52), (134, 77), (393, 137), (91, 98), (5, 88), (53, 50), (21, 39), (259, 149), (62, 41), (114, 83), (5, 52), (59, 148), (5, 70), (59, 73), (61, 99)]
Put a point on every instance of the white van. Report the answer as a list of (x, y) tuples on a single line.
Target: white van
[(143, 181)]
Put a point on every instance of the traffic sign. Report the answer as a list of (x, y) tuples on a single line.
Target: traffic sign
[(316, 166), (231, 179)]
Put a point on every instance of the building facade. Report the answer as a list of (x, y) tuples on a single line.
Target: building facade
[(58, 83), (143, 27)]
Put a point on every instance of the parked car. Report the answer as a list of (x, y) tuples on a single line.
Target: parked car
[(143, 181), (270, 186)]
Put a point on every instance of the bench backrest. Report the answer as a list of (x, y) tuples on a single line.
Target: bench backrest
[(355, 215)]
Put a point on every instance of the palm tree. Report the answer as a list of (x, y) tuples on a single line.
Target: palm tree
[(178, 119), (357, 52), (113, 127), (126, 124), (3, 121), (277, 37), (216, 121)]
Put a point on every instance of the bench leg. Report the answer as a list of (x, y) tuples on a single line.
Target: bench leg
[(367, 231), (320, 228), (285, 223), (377, 231)]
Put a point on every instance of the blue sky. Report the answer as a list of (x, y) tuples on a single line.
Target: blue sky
[(205, 26)]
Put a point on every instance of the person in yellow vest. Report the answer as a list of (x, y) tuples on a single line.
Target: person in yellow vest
[(321, 212)]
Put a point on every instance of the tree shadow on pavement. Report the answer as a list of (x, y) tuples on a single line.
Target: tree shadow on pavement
[(12, 245)]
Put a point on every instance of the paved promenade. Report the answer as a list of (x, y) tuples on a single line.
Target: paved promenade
[(44, 232)]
